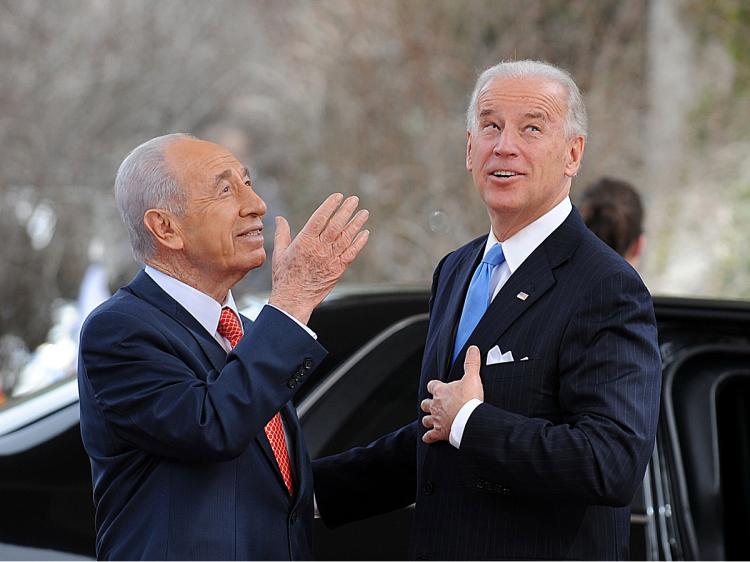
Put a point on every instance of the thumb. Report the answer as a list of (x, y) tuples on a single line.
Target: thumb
[(281, 239), (472, 362)]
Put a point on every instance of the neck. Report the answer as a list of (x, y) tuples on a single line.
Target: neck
[(506, 225), (188, 275)]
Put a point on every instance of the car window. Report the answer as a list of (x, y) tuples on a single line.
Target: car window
[(371, 394)]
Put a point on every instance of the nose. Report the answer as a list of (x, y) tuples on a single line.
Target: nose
[(252, 204), (506, 143)]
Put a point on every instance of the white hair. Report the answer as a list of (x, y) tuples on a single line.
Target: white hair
[(576, 122), (144, 182)]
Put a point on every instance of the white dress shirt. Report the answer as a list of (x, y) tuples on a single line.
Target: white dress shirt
[(515, 249), (204, 308)]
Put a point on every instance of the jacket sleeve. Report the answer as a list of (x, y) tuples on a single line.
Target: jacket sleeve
[(146, 387), (367, 481), (609, 387)]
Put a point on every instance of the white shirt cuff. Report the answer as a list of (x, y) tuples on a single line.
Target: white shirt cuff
[(300, 324), (460, 421)]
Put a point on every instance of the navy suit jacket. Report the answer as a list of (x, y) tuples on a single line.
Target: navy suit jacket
[(550, 461), (173, 425)]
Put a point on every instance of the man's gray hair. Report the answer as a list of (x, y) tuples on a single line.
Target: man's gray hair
[(576, 122), (144, 182)]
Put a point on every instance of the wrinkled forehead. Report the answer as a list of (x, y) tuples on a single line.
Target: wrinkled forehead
[(193, 160), (525, 95)]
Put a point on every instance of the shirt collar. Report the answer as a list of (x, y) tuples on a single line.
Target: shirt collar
[(201, 306), (519, 246)]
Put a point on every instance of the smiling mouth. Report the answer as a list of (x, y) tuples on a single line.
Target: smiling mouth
[(251, 233), (505, 174)]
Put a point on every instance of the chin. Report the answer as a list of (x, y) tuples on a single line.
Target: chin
[(501, 204), (259, 259), (255, 260)]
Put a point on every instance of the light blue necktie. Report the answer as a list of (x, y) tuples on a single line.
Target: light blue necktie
[(477, 297)]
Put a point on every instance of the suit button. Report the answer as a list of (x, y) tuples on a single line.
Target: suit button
[(293, 518), (428, 488), (307, 363), (300, 372), (506, 491), (481, 484), (291, 383)]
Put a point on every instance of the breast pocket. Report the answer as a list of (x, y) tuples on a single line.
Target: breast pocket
[(513, 386)]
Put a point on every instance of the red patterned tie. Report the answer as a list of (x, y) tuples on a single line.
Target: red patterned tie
[(230, 328)]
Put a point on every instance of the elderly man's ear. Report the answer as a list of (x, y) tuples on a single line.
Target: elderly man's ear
[(163, 228)]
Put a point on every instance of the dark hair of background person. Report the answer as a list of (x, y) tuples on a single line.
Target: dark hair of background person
[(612, 209)]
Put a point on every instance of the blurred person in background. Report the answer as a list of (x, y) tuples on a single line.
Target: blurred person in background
[(196, 450), (613, 210), (541, 374)]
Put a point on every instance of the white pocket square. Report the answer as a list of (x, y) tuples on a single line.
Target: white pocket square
[(495, 356)]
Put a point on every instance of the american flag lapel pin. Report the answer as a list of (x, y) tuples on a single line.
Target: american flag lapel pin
[(522, 296)]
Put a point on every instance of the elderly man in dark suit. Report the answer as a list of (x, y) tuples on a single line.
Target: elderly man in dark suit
[(541, 373), (196, 451)]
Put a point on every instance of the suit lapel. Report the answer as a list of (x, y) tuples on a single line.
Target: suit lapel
[(262, 439), (524, 287), (265, 446), (147, 289), (298, 451), (533, 278), (294, 446), (449, 320)]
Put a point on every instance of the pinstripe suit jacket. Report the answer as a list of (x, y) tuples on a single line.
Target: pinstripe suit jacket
[(550, 461)]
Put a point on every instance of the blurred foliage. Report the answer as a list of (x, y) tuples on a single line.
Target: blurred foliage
[(718, 106), (728, 21)]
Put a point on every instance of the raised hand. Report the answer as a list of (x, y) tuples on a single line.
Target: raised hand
[(448, 398), (304, 270)]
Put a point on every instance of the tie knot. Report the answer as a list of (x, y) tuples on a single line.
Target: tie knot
[(229, 326), (494, 256)]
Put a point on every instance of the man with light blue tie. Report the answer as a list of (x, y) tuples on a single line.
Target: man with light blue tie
[(541, 374)]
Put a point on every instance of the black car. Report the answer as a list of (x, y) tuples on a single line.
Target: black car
[(695, 499)]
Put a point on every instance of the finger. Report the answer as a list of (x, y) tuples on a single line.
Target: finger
[(350, 231), (281, 238), (340, 218), (425, 405), (431, 385), (319, 219), (431, 436), (473, 362), (351, 253), (428, 422)]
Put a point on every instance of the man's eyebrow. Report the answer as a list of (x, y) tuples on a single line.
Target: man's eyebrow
[(226, 174), (537, 115), (486, 112)]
